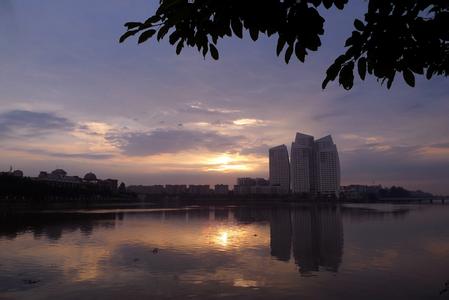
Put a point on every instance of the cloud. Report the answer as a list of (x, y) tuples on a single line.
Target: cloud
[(327, 115), (261, 150), (82, 155), (440, 145), (249, 122), (24, 123), (200, 108), (95, 128), (161, 141), (366, 139), (394, 164)]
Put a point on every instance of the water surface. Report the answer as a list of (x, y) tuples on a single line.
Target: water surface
[(303, 252)]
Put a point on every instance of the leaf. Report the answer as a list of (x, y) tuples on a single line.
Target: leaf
[(131, 25), (327, 3), (128, 34), (179, 47), (254, 33), (390, 81), (162, 32), (213, 51), (349, 41), (333, 70), (174, 37), (236, 26), (300, 52), (153, 19), (361, 66), (325, 82), (288, 53), (429, 72), (280, 45), (340, 4), (359, 25), (409, 77), (346, 77), (146, 35), (205, 49)]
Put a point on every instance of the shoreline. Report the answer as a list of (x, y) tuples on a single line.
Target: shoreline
[(11, 205)]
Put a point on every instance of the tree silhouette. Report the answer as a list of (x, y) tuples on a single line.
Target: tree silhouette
[(409, 37)]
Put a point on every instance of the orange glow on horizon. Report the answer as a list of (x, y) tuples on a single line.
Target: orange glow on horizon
[(230, 162)]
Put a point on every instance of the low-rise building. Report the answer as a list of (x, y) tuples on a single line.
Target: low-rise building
[(257, 186), (199, 189), (59, 177), (175, 189), (246, 181), (221, 189)]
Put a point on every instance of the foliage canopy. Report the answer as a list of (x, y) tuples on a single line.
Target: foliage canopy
[(408, 36)]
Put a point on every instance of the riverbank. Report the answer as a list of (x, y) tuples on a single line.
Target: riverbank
[(10, 205)]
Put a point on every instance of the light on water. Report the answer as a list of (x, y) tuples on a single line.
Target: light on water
[(327, 252), (223, 238)]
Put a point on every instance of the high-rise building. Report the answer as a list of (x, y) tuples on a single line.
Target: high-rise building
[(315, 166), (327, 167), (280, 168), (302, 163)]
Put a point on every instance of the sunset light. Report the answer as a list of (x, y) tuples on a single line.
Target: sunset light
[(222, 238), (228, 162), (224, 149)]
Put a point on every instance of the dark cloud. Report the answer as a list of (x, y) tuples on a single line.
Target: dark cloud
[(396, 164), (261, 150), (19, 123), (162, 141), (440, 145), (83, 155), (328, 115)]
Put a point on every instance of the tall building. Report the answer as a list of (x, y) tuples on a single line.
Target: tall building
[(302, 163), (327, 167), (315, 165), (280, 168)]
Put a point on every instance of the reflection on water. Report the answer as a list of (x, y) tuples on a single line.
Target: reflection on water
[(336, 252), (316, 236)]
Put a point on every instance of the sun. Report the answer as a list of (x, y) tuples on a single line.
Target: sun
[(222, 159), (225, 163)]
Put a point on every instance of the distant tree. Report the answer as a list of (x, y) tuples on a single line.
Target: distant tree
[(398, 192), (122, 188), (394, 192), (408, 36)]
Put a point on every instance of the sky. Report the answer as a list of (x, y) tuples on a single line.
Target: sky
[(72, 97)]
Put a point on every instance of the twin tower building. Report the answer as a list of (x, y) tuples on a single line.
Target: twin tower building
[(313, 167)]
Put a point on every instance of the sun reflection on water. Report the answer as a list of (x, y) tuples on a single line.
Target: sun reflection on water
[(222, 238), (226, 236)]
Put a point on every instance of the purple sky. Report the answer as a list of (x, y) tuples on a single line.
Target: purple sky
[(72, 97)]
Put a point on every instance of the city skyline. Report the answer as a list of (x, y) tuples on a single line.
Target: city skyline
[(78, 100)]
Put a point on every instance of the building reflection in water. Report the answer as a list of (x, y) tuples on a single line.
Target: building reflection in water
[(313, 234), (281, 234), (54, 225)]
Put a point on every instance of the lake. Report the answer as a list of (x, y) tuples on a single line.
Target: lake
[(378, 251)]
